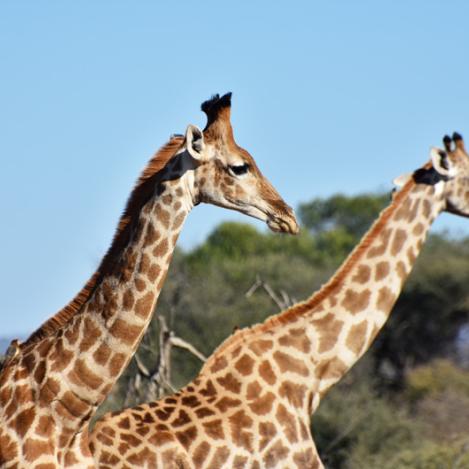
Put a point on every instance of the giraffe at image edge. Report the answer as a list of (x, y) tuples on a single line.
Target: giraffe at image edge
[(51, 385), (251, 405)]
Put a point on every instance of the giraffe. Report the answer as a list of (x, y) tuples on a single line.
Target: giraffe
[(51, 384), (251, 404)]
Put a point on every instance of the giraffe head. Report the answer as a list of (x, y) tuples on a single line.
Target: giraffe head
[(452, 167), (227, 175)]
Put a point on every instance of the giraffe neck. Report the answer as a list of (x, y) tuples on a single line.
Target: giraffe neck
[(68, 373), (319, 340)]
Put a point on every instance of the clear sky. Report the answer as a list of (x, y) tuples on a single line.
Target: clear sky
[(327, 96)]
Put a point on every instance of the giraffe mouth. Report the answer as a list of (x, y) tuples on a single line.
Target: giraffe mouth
[(283, 225)]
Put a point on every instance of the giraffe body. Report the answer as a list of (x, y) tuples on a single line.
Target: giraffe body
[(251, 405), (51, 385)]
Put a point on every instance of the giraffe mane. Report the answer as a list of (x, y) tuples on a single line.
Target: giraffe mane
[(297, 310), (143, 190)]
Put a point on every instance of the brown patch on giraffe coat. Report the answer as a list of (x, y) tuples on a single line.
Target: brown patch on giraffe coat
[(398, 241), (40, 372), (74, 405), (45, 426), (190, 401), (267, 432), (71, 334), (261, 346), (61, 357), (262, 404), (200, 454), (117, 363), (427, 208), (182, 419), (382, 270), (300, 342), (178, 220), (154, 272), (33, 449), (287, 421), (204, 412), (266, 372), (219, 364), (230, 383), (403, 211), (165, 413), (294, 393), (240, 462), (219, 458), (275, 454), (240, 425), (330, 329), (24, 420), (80, 374), (163, 216), (161, 248), (187, 437), (145, 262), (131, 439), (401, 271), (253, 390), (8, 448), (226, 402), (49, 391), (330, 369), (144, 458), (209, 389), (288, 363), (125, 332), (354, 302), (305, 431), (104, 439), (128, 299), (362, 275), (91, 333), (383, 239), (140, 284), (245, 365), (124, 423), (306, 459), (411, 255), (151, 235), (413, 211), (102, 354), (385, 299), (214, 429), (168, 198), (356, 337), (144, 306)]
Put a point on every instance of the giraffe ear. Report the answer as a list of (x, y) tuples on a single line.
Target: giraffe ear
[(442, 164), (195, 143)]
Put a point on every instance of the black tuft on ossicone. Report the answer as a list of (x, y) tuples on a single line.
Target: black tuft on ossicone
[(447, 142), (457, 136), (214, 105)]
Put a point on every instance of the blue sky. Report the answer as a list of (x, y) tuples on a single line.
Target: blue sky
[(327, 96)]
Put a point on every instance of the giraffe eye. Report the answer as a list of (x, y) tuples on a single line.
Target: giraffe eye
[(239, 170)]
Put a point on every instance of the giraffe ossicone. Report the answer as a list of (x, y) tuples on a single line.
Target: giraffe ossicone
[(51, 385), (251, 405)]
